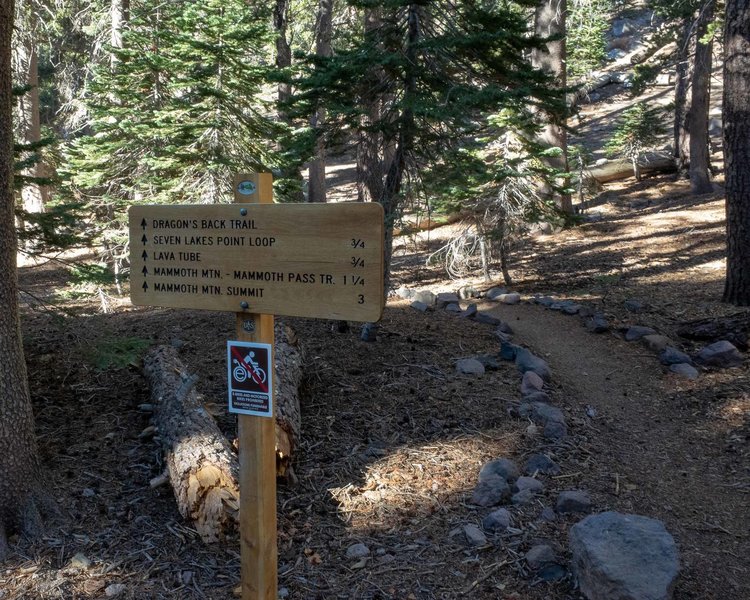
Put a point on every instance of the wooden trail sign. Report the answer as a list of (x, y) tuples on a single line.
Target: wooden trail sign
[(258, 259), (304, 260)]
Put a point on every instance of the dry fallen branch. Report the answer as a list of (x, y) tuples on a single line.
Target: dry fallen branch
[(200, 462)]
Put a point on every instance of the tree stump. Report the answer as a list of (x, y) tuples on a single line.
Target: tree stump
[(202, 466)]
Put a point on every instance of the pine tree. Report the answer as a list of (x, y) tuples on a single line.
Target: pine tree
[(436, 69), (181, 109)]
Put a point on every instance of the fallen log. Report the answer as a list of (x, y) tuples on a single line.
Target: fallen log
[(202, 466), (734, 328), (622, 168)]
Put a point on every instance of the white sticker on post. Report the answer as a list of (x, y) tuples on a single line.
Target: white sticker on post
[(250, 376)]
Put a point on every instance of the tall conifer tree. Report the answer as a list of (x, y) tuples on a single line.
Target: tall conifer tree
[(181, 109), (437, 70)]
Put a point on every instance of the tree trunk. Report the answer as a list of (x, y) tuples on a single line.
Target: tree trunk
[(683, 77), (700, 182), (283, 50), (34, 195), (549, 20), (202, 467), (392, 188), (370, 158), (120, 14), (316, 188), (736, 116), (20, 475)]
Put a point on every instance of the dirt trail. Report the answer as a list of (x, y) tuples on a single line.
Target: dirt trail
[(648, 450)]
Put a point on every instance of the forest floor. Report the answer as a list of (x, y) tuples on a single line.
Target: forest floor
[(393, 438)]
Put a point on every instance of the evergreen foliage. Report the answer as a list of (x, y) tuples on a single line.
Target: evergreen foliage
[(439, 71), (181, 109), (587, 23), (639, 128)]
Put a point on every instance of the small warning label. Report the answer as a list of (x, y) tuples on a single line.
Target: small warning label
[(250, 375)]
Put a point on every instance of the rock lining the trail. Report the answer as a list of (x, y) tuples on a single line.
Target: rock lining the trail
[(573, 501), (623, 557), (500, 467), (685, 370), (721, 354)]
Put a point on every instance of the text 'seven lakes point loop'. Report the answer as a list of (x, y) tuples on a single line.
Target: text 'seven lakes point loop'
[(323, 261)]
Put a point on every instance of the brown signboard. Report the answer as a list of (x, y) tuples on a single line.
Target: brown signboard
[(306, 260)]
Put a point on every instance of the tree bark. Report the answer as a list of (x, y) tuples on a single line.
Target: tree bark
[(283, 50), (404, 146), (120, 15), (21, 494), (736, 117), (316, 187), (549, 21), (203, 469), (683, 76), (700, 181), (370, 156)]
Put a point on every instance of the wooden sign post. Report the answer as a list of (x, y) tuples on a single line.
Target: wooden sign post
[(259, 259), (256, 439)]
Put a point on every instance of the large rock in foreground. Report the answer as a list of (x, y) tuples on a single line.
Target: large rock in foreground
[(623, 557)]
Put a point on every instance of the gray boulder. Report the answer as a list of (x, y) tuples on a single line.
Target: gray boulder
[(554, 430), (508, 351), (721, 354), (470, 312), (495, 292), (357, 551), (467, 292), (501, 467), (470, 366), (420, 306), (453, 307), (526, 361), (425, 296), (522, 498), (445, 298), (497, 521), (541, 463), (537, 397), (529, 483), (573, 501), (490, 361), (656, 343), (541, 413), (474, 535), (671, 356), (636, 332), (623, 557), (405, 292), (512, 298), (634, 305), (503, 327), (531, 383), (486, 318), (684, 370), (597, 323), (491, 491), (546, 301)]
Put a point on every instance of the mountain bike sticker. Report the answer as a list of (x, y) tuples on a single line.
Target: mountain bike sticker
[(250, 375)]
